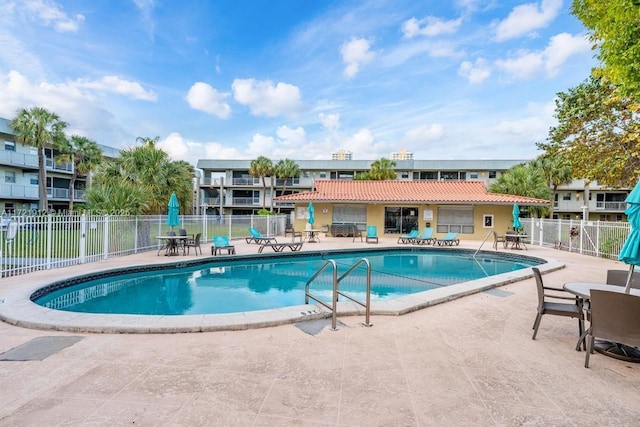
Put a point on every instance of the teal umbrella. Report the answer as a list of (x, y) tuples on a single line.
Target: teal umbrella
[(310, 210), (173, 213), (630, 252), (516, 217)]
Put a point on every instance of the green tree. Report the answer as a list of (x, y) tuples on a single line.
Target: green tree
[(523, 180), (39, 128), (149, 169), (382, 169), (85, 155), (615, 30), (261, 168), (555, 174), (285, 169), (598, 134)]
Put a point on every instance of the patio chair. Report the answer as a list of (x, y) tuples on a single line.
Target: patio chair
[(548, 298), (499, 239), (193, 243), (408, 238), (357, 232), (221, 243), (615, 317), (449, 239), (426, 238), (619, 277), (258, 238), (288, 229), (372, 234)]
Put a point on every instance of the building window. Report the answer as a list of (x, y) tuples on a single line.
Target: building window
[(9, 146), (33, 179), (349, 214), (492, 174), (9, 177), (399, 220), (458, 219), (473, 175), (405, 175), (449, 176), (322, 175), (566, 196)]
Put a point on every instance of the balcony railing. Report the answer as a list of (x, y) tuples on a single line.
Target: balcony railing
[(18, 191), (18, 159), (213, 201), (51, 164), (246, 201), (247, 181), (611, 206)]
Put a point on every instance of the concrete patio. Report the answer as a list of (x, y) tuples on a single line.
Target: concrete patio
[(466, 362)]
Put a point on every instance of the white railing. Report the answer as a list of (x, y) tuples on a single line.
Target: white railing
[(41, 242)]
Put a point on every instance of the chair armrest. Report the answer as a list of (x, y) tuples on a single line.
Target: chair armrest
[(554, 289)]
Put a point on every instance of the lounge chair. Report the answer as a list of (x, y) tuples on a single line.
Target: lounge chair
[(549, 303), (193, 243), (372, 234), (258, 238), (614, 317), (426, 238), (221, 243), (450, 239), (408, 238)]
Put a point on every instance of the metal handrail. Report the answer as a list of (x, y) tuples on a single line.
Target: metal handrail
[(336, 290), (334, 298), (367, 304), (483, 240)]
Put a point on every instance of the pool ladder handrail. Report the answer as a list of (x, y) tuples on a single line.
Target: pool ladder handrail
[(483, 240), (336, 291)]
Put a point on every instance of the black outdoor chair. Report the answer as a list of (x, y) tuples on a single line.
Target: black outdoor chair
[(193, 243)]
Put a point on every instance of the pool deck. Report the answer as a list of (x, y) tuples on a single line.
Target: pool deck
[(470, 361)]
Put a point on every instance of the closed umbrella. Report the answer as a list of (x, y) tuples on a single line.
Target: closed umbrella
[(516, 217), (310, 210), (630, 252), (173, 212)]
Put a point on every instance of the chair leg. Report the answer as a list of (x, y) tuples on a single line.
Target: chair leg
[(536, 324), (589, 341)]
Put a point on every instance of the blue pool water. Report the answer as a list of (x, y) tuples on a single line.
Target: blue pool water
[(271, 282)]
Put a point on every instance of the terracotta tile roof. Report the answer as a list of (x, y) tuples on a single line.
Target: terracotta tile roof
[(441, 192)]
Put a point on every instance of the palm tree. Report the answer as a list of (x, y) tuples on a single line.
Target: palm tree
[(523, 180), (555, 173), (261, 168), (382, 169), (39, 128), (148, 168), (285, 169), (85, 155)]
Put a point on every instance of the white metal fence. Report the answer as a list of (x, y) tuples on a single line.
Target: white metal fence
[(42, 242)]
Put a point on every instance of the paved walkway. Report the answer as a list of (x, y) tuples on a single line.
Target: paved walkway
[(466, 362)]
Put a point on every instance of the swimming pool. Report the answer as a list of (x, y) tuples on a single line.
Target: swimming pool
[(271, 282)]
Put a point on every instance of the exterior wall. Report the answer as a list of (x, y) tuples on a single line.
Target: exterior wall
[(502, 218)]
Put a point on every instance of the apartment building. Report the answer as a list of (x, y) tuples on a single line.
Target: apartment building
[(19, 175)]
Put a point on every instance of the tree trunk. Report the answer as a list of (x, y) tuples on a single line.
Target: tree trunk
[(42, 184)]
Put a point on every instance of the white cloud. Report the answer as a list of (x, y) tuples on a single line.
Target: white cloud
[(49, 14), (180, 149), (265, 99), (117, 85), (522, 67), (362, 143), (356, 53), (526, 18), (534, 125), (289, 135), (561, 47), (475, 73), (330, 121), (422, 134), (429, 26), (203, 97)]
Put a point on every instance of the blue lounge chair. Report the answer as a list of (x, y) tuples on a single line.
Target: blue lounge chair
[(426, 238), (408, 238), (372, 234), (449, 240), (221, 243), (258, 238)]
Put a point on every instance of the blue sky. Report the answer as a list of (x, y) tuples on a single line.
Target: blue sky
[(236, 79)]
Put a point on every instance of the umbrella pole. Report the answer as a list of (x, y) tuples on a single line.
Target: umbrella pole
[(627, 288)]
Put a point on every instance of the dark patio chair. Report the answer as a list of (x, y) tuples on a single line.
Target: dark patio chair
[(193, 243), (615, 317), (547, 304), (619, 278)]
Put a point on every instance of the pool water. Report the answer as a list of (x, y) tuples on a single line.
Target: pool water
[(273, 282)]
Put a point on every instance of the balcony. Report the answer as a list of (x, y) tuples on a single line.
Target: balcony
[(245, 201), (19, 191), (611, 206), (63, 167), (21, 160), (248, 181), (213, 201)]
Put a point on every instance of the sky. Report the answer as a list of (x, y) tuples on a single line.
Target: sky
[(298, 79)]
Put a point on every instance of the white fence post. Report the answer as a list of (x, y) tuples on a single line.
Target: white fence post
[(105, 243), (82, 250)]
